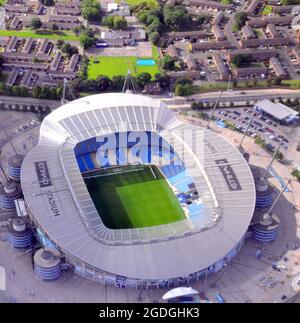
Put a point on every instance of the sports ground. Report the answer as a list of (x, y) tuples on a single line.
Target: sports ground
[(133, 197)]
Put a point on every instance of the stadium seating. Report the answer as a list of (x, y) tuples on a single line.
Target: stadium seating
[(88, 161), (81, 164)]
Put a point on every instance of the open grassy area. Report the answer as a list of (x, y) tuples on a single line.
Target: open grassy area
[(258, 32), (267, 9), (40, 34), (111, 66), (135, 2), (134, 197), (226, 1), (292, 84)]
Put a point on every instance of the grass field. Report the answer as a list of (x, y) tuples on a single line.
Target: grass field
[(135, 2), (112, 66), (40, 34), (267, 10), (134, 198)]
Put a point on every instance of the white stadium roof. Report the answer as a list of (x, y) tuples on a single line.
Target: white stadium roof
[(62, 208)]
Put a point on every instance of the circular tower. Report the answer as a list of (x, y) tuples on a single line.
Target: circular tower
[(47, 263), (267, 229), (19, 233), (14, 167), (264, 191), (9, 192)]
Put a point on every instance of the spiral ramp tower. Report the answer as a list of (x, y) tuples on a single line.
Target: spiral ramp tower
[(9, 192), (20, 234), (14, 167), (267, 229), (47, 264), (264, 191)]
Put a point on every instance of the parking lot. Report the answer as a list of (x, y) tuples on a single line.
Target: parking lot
[(269, 130), (22, 129)]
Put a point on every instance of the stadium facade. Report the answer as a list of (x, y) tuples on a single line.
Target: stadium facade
[(213, 174)]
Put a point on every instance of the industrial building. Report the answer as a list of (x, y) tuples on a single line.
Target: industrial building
[(278, 111)]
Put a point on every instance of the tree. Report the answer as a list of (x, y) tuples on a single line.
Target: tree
[(176, 17), (78, 29), (120, 23), (197, 105), (169, 63), (103, 83), (164, 80), (59, 43), (86, 40), (240, 19), (20, 91), (36, 91), (202, 19), (154, 37), (90, 10), (277, 81), (35, 23), (155, 26), (108, 21), (117, 82), (68, 49), (241, 59), (54, 27), (183, 90), (142, 79)]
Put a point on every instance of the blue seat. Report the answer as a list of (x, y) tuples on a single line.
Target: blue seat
[(81, 164), (88, 161)]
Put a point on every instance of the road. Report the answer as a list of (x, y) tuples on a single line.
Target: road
[(236, 96)]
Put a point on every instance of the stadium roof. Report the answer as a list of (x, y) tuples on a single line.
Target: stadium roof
[(62, 208), (276, 110)]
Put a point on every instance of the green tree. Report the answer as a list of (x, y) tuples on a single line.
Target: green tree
[(117, 82), (240, 19), (60, 43), (36, 91), (183, 90), (108, 21), (142, 79), (176, 17), (35, 23), (54, 27), (164, 80), (86, 40), (68, 49), (90, 10), (154, 37), (241, 59), (103, 83), (168, 63), (202, 19), (120, 23)]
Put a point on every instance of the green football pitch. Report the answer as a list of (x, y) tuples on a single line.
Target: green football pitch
[(133, 197)]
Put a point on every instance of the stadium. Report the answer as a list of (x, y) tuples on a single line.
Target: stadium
[(133, 197)]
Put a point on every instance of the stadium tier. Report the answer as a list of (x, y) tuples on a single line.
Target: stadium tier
[(132, 196)]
